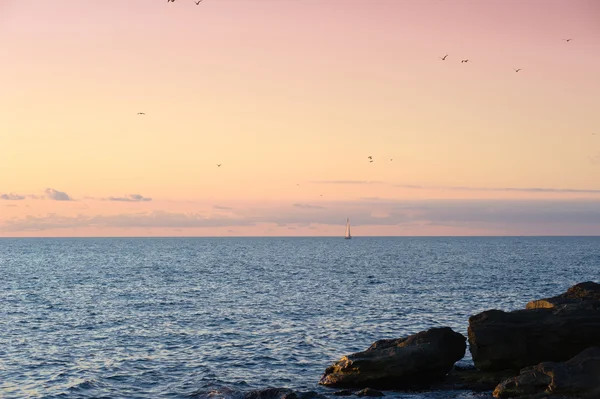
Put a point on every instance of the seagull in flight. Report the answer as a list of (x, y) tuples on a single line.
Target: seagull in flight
[(568, 40), (517, 70), (219, 165), (461, 61), (198, 2), (443, 58), (141, 113), (370, 157)]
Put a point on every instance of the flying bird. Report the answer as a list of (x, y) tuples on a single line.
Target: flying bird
[(443, 58), (461, 61), (141, 113), (391, 159), (219, 165), (198, 2), (517, 70), (370, 157), (568, 40)]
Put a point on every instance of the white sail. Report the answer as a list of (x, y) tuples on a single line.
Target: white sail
[(348, 228)]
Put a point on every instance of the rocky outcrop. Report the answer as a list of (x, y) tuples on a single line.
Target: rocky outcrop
[(415, 361), (587, 291), (577, 378), (471, 379), (281, 393), (514, 340)]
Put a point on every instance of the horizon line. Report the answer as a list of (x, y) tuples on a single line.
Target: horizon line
[(322, 236)]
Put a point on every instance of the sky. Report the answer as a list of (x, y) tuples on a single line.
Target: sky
[(291, 97)]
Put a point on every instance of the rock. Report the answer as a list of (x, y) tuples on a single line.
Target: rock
[(469, 378), (587, 291), (578, 377), (412, 362), (369, 392), (343, 392), (282, 393), (514, 340)]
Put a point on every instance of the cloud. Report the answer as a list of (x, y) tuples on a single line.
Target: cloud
[(506, 212), (12, 197), (130, 198), (224, 208), (509, 189), (158, 219), (526, 216), (56, 195), (346, 182), (308, 206)]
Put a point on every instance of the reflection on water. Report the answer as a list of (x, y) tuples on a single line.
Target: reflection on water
[(171, 318)]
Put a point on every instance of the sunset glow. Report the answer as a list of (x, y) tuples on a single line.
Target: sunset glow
[(291, 97)]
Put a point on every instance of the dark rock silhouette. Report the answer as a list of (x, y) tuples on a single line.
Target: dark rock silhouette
[(469, 378), (578, 377), (412, 362), (513, 340), (282, 393)]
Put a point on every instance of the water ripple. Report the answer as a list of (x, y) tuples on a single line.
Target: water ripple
[(212, 318)]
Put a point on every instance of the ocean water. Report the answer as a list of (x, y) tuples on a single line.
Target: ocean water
[(181, 318)]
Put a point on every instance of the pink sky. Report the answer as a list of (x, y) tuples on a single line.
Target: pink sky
[(291, 97)]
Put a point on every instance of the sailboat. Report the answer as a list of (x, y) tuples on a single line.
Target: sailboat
[(348, 236)]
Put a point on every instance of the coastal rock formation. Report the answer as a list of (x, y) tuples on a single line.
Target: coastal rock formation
[(415, 361), (514, 340), (282, 393), (577, 378), (469, 378), (587, 291)]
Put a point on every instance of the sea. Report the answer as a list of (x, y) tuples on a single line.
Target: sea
[(154, 318)]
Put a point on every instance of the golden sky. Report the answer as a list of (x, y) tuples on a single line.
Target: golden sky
[(291, 97)]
